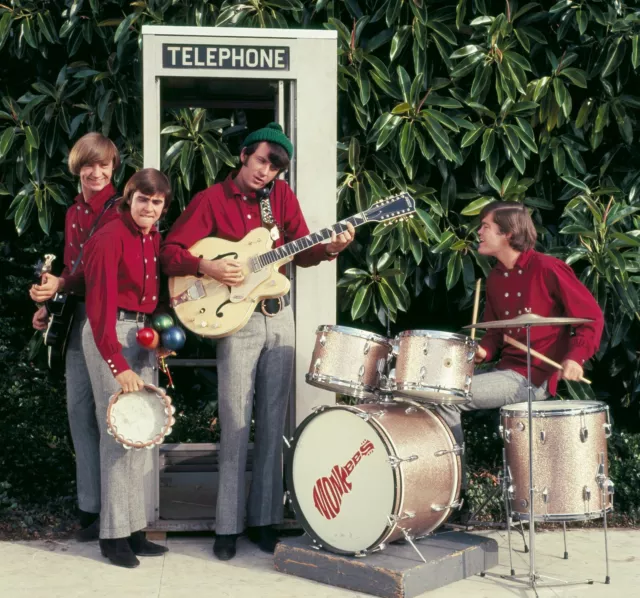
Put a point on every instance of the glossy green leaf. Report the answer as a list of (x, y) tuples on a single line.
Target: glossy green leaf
[(454, 269)]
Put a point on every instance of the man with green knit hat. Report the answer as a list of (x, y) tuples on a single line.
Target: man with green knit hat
[(255, 365)]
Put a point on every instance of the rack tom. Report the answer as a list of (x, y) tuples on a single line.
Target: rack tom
[(434, 367), (348, 360), (570, 465)]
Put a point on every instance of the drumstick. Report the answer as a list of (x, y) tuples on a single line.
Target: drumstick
[(540, 356), (476, 303)]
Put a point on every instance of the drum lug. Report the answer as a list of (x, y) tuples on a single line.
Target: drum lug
[(425, 348), (361, 373), (543, 436), (365, 416), (456, 450), (367, 348), (395, 461), (586, 493), (454, 505), (316, 366), (471, 356), (545, 495), (423, 373), (520, 426), (511, 491), (467, 384), (323, 340), (584, 434), (506, 434), (607, 430)]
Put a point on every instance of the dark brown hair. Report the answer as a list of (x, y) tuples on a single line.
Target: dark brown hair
[(513, 217), (150, 182), (277, 154), (93, 148)]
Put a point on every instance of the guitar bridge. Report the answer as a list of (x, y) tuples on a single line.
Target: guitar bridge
[(193, 293)]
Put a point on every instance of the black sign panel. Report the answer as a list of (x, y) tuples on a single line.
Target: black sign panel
[(197, 56)]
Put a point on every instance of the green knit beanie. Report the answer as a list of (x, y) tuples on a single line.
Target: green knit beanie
[(273, 134)]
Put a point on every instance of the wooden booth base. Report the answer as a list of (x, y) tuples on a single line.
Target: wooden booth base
[(395, 572)]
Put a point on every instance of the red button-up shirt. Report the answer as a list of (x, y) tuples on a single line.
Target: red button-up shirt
[(224, 211), (121, 271), (547, 287), (79, 220)]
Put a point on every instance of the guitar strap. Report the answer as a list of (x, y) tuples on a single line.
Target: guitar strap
[(107, 205), (266, 214)]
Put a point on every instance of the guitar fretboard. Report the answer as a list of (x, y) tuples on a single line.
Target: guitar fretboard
[(303, 243)]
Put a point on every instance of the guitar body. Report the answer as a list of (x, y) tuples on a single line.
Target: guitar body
[(214, 310), (62, 310)]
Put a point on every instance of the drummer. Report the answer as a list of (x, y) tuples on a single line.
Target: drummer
[(526, 281), (121, 274)]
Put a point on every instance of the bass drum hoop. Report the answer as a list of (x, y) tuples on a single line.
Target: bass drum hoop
[(397, 482)]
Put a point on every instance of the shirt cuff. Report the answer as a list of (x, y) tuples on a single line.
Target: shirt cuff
[(117, 364)]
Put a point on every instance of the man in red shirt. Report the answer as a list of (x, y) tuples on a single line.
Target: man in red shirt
[(255, 363), (94, 159), (525, 281)]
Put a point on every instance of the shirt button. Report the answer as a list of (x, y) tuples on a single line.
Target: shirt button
[(147, 276), (506, 275), (143, 298), (153, 298), (519, 271), (519, 311), (506, 294), (244, 197), (73, 226), (510, 331), (155, 259), (506, 313), (519, 294), (70, 244), (145, 260), (249, 216), (86, 211)]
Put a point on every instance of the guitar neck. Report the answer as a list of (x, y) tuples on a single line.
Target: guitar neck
[(304, 243)]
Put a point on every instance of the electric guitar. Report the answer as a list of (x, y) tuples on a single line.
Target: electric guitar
[(61, 309), (212, 309)]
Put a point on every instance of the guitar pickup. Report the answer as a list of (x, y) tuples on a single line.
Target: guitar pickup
[(193, 293)]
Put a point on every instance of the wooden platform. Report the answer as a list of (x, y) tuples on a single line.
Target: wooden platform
[(397, 571)]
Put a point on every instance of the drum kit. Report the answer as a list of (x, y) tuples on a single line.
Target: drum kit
[(392, 469)]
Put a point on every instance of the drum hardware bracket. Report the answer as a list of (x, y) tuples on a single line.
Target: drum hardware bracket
[(584, 434), (395, 461), (457, 504), (505, 433), (456, 450), (543, 436), (607, 430)]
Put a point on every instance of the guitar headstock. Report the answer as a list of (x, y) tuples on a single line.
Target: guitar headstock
[(44, 266), (401, 206)]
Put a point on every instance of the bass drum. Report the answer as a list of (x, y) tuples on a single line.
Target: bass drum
[(361, 476)]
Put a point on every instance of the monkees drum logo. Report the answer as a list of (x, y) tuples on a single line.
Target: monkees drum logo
[(328, 491)]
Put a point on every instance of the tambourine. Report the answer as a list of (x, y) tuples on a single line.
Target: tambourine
[(140, 419)]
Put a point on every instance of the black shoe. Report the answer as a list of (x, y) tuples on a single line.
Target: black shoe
[(89, 533), (118, 551), (142, 547), (264, 536), (224, 546)]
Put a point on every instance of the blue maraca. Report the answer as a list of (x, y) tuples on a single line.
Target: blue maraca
[(173, 338)]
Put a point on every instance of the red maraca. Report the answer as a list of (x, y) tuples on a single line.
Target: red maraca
[(147, 338)]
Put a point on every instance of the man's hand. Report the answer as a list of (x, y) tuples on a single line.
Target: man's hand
[(340, 242), (571, 370), (481, 354), (227, 272), (49, 286), (129, 381), (40, 319)]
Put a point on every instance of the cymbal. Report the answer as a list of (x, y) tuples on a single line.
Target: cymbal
[(529, 320)]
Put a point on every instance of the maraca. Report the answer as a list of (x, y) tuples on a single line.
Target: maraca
[(173, 338), (162, 322), (147, 338)]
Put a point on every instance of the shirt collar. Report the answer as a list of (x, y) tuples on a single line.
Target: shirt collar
[(231, 189), (99, 199), (521, 262), (133, 227)]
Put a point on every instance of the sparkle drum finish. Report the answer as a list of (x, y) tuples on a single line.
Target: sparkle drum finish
[(361, 476), (570, 465), (348, 360), (434, 367)]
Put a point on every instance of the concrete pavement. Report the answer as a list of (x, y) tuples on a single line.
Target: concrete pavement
[(66, 569)]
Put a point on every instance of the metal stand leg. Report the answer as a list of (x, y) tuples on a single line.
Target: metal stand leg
[(533, 579), (564, 537), (506, 483), (606, 487)]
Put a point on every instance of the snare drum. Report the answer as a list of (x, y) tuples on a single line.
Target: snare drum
[(140, 419), (360, 476), (434, 367), (348, 360), (570, 465)]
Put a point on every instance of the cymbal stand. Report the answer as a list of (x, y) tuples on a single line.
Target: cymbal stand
[(533, 579)]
